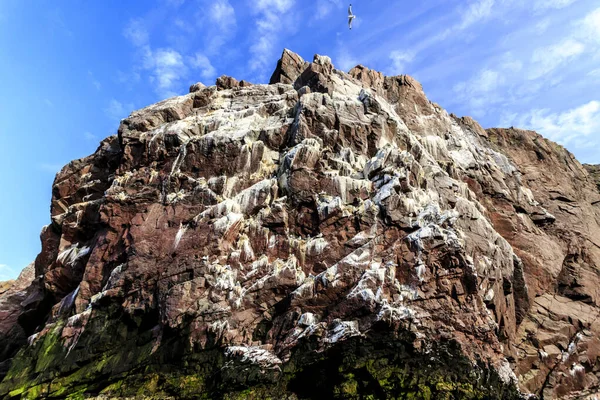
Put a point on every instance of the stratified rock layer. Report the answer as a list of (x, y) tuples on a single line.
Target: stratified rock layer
[(328, 235)]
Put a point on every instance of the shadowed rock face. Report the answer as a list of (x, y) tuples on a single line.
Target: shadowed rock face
[(594, 171), (327, 235), (12, 295)]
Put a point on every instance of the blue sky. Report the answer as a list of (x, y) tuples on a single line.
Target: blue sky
[(70, 70)]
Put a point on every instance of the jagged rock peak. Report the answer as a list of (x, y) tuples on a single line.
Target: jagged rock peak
[(329, 234), (289, 67), (292, 69)]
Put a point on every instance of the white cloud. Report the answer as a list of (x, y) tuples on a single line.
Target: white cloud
[(546, 59), (589, 27), (185, 26), (166, 68), (89, 136), (577, 126), (127, 78), (325, 7), (552, 4), (277, 5), (542, 26), (486, 81), (514, 65), (399, 60), (482, 91), (261, 53), (345, 61), (478, 10), (219, 25), (117, 110), (95, 82), (201, 62), (136, 32), (268, 24), (223, 14), (7, 273), (510, 63)]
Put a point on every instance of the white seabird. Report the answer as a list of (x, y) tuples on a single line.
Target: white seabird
[(350, 16)]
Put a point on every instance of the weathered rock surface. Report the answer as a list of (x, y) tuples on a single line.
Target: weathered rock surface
[(328, 235), (594, 171), (12, 295)]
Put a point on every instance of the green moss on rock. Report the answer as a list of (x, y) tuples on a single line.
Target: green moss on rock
[(116, 360)]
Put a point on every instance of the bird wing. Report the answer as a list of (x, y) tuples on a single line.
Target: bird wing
[(350, 19), (350, 10)]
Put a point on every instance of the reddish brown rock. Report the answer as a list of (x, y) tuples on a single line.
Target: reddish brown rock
[(227, 82), (197, 87), (594, 171), (329, 234), (289, 67), (12, 295)]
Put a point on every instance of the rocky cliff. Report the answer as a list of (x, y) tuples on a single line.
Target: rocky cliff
[(329, 235), (594, 171)]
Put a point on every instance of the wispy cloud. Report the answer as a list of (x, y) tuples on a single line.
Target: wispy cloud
[(89, 136), (583, 37), (167, 70), (57, 23), (344, 60), (589, 26), (399, 59), (325, 7), (128, 78), (48, 103), (572, 127), (174, 3), (436, 32), (7, 273), (268, 25), (480, 90), (222, 14), (542, 26), (203, 64), (477, 11), (220, 24), (575, 128), (136, 32), (549, 4), (52, 168), (95, 82), (546, 59), (510, 63), (117, 110)]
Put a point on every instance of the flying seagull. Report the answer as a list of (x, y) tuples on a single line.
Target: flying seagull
[(350, 16)]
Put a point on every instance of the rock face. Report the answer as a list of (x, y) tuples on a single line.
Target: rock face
[(328, 235), (594, 171), (12, 295)]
